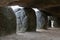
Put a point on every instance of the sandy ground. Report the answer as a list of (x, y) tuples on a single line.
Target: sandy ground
[(50, 34)]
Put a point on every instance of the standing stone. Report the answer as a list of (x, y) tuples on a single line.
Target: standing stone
[(41, 19), (21, 18), (56, 22), (49, 21), (31, 19), (45, 20), (8, 22)]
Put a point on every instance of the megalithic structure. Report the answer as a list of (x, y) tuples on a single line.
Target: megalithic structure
[(21, 18)]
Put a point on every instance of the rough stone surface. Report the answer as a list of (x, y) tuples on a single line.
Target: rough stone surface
[(31, 19), (7, 21)]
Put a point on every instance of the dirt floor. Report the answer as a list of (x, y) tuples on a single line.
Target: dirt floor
[(50, 34)]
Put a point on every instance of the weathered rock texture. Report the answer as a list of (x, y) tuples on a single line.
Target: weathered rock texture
[(44, 16), (42, 4), (41, 19), (38, 3), (7, 21), (57, 22), (31, 19)]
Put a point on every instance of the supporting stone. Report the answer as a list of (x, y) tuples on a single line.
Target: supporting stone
[(41, 19), (31, 19), (21, 19), (45, 21), (57, 22), (8, 22)]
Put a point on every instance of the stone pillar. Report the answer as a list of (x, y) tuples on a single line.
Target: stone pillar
[(57, 22), (45, 21), (21, 19), (31, 19), (41, 19), (8, 22)]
